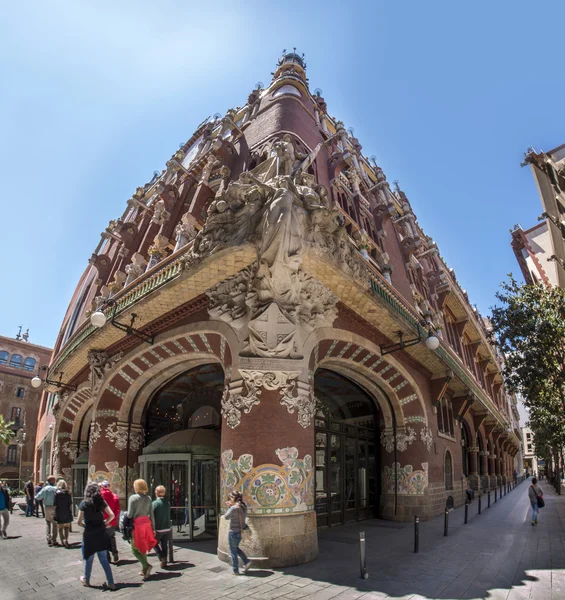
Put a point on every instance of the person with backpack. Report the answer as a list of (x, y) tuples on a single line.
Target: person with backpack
[(30, 497), (237, 515), (113, 502), (63, 512), (39, 504), (535, 494)]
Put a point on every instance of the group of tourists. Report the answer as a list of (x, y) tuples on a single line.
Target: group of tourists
[(146, 524)]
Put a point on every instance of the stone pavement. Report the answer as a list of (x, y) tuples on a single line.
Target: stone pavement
[(498, 554)]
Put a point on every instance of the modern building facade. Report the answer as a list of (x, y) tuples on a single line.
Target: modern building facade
[(20, 361), (268, 316)]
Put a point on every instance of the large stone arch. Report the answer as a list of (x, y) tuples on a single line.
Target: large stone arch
[(361, 360)]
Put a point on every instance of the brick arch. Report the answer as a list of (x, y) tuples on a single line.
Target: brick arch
[(72, 410), (336, 347), (141, 372)]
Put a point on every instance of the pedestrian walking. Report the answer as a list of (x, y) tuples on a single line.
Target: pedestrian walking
[(237, 515), (536, 499), (29, 490), (5, 505), (140, 511), (63, 512), (39, 503), (113, 502), (163, 526), (95, 540), (47, 494)]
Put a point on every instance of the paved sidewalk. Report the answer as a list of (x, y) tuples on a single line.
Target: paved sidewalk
[(498, 554)]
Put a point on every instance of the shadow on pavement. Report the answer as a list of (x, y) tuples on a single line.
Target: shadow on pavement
[(497, 552), (163, 575), (179, 566)]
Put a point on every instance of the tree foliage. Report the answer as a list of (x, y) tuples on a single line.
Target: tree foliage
[(6, 432), (529, 329)]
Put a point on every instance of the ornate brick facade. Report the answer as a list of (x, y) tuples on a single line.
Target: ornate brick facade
[(272, 247)]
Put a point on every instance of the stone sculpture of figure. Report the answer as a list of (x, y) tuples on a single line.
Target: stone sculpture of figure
[(160, 214), (136, 268), (184, 231)]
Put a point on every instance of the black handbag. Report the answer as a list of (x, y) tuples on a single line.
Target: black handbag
[(126, 526), (541, 502)]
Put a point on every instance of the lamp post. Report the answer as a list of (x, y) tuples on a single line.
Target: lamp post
[(20, 440)]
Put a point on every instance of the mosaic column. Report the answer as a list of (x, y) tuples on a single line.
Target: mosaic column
[(267, 450)]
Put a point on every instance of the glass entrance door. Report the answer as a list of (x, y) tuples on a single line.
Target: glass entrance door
[(174, 475), (192, 484), (80, 479), (205, 500), (347, 448)]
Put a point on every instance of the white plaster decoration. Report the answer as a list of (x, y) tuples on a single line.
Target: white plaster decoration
[(287, 89), (100, 364), (387, 440), (95, 433), (67, 449), (136, 439), (118, 434), (403, 440), (303, 403), (56, 454), (427, 437), (234, 404)]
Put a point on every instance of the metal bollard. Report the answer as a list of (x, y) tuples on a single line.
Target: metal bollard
[(416, 534), (480, 500), (446, 523), (362, 556), (488, 499), (495, 495), (466, 511)]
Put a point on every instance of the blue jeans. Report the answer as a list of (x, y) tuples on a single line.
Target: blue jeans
[(535, 511), (30, 507), (234, 539), (103, 558)]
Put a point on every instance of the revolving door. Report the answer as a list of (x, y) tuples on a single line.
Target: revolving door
[(191, 478)]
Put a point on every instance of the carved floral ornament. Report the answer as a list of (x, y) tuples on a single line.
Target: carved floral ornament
[(405, 438), (118, 435), (296, 396), (100, 364)]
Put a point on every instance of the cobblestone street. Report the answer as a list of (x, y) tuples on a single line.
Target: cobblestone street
[(498, 554)]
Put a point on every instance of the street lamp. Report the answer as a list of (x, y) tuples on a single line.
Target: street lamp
[(431, 341), (98, 319), (36, 382)]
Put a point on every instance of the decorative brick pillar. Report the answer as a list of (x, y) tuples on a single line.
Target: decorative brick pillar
[(492, 471), (113, 453), (473, 477), (267, 455)]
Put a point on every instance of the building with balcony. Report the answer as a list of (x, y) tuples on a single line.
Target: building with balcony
[(267, 315), (20, 361), (540, 250)]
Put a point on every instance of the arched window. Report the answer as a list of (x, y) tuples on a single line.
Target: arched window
[(29, 364), (16, 361), (4, 357), (448, 471)]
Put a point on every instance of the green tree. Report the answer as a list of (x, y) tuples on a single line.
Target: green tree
[(6, 432), (529, 329)]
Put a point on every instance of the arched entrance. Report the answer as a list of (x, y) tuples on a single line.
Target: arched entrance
[(347, 450), (182, 430)]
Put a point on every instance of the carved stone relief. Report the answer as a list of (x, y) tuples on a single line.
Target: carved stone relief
[(100, 364), (427, 437)]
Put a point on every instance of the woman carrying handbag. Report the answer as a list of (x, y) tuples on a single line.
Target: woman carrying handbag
[(535, 494), (236, 515)]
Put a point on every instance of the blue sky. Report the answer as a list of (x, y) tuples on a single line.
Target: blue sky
[(95, 96)]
